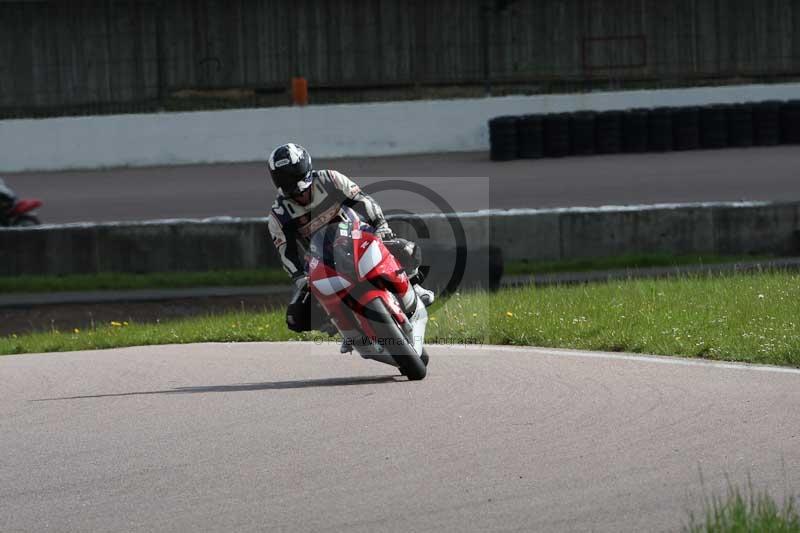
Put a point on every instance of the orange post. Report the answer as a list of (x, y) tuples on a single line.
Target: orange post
[(299, 91)]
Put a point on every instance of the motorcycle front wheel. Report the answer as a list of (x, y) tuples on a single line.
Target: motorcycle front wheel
[(395, 341)]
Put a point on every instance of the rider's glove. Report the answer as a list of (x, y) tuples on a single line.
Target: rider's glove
[(385, 232)]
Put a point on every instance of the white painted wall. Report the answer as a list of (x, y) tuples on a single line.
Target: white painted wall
[(327, 131)]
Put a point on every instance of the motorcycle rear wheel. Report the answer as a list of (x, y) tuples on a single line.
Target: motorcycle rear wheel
[(403, 352)]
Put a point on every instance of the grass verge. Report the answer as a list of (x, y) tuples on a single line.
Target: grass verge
[(165, 280), (245, 278), (743, 317), (623, 262), (751, 512)]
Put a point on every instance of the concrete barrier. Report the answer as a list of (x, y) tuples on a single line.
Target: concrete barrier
[(723, 228), (158, 246), (488, 239), (328, 130)]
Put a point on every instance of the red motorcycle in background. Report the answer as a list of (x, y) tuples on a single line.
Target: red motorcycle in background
[(16, 212), (367, 295)]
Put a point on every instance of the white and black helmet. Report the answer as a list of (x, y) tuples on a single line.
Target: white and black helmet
[(290, 168)]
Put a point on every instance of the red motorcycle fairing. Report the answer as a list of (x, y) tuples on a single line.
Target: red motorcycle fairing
[(25, 206), (377, 275)]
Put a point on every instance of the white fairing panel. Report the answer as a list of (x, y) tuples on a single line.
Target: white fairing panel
[(409, 297), (372, 256), (419, 322), (329, 286)]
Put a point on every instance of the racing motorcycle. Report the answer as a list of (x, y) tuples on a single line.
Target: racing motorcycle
[(16, 212), (367, 294)]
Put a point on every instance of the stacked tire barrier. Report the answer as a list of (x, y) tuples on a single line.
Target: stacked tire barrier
[(608, 132), (659, 129), (740, 125), (634, 131), (686, 128), (581, 132), (790, 122), (767, 123), (556, 135), (503, 138), (530, 136), (714, 127)]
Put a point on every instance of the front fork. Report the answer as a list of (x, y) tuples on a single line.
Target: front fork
[(417, 315), (413, 327)]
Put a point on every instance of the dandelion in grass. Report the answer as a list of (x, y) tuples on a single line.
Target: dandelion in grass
[(116, 324)]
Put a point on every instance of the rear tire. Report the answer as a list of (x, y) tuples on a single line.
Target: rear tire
[(424, 357), (404, 354)]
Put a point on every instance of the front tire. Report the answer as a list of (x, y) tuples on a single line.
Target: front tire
[(403, 352)]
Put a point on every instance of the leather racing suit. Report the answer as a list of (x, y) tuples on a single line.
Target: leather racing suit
[(291, 225)]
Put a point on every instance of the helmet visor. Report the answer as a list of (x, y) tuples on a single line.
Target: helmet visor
[(297, 188)]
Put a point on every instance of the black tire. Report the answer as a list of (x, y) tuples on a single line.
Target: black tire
[(686, 128), (659, 129), (23, 221), (530, 136), (740, 125), (790, 122), (503, 138), (714, 126), (556, 135), (424, 357), (634, 131), (404, 354), (767, 123), (581, 133), (608, 132)]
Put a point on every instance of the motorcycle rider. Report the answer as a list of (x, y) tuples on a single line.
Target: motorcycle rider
[(307, 200), (8, 199)]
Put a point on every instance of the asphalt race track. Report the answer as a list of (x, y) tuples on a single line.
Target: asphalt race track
[(288, 437), (468, 181)]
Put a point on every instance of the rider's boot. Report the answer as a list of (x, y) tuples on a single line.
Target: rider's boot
[(424, 295), (346, 346)]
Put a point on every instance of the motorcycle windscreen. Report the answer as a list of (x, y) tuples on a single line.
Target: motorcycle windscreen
[(333, 246)]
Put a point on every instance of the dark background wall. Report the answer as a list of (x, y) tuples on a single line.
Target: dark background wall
[(63, 53)]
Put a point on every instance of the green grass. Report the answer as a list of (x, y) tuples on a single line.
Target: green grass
[(750, 513), (622, 262), (244, 278), (166, 280), (741, 317), (230, 327), (749, 318)]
